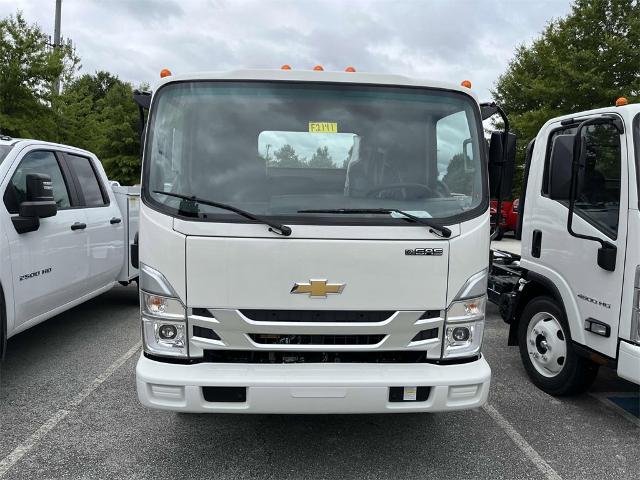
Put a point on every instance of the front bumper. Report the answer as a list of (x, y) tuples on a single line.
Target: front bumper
[(629, 361), (312, 387)]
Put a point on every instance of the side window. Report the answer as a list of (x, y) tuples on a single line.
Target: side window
[(36, 162), (455, 154), (89, 184), (598, 195)]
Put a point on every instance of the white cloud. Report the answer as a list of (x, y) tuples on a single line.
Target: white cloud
[(439, 39)]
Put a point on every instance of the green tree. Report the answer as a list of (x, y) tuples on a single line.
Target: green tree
[(583, 61), (345, 162), (28, 69), (286, 156), (99, 114), (321, 158), (457, 179)]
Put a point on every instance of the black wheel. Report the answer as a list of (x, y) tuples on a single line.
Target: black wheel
[(547, 352)]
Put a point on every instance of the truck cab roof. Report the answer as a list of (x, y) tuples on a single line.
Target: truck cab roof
[(628, 112), (316, 76)]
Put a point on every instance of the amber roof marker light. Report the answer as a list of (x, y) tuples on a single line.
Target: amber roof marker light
[(350, 69), (621, 102), (285, 67), (165, 72), (466, 83), (318, 68)]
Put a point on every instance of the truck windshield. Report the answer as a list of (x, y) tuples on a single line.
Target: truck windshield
[(4, 151), (278, 149)]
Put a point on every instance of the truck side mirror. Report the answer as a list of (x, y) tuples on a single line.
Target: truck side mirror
[(39, 203), (560, 165), (501, 165)]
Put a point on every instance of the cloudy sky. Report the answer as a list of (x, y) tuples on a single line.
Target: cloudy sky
[(447, 40)]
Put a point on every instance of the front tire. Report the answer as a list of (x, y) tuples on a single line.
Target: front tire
[(547, 352)]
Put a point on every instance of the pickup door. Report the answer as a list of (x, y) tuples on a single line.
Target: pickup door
[(105, 227), (49, 266)]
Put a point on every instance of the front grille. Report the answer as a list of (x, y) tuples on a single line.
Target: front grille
[(318, 316), (279, 356), (279, 339)]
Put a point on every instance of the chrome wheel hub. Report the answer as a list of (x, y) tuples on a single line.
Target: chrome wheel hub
[(546, 344)]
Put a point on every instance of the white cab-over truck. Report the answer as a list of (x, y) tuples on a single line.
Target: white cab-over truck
[(572, 298), (65, 232), (314, 242)]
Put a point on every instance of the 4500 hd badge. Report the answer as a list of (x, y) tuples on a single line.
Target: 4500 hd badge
[(433, 252)]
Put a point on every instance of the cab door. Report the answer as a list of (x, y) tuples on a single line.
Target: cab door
[(105, 226), (590, 293), (49, 266)]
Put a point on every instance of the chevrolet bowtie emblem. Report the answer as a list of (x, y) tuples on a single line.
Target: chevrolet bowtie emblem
[(317, 288)]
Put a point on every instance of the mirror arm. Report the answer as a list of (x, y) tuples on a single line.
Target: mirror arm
[(143, 100)]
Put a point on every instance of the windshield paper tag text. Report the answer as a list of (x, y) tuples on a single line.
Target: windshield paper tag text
[(323, 127)]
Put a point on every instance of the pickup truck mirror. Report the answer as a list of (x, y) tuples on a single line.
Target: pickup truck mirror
[(39, 203), (560, 165), (501, 164)]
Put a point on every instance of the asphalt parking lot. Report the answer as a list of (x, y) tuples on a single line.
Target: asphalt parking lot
[(69, 410)]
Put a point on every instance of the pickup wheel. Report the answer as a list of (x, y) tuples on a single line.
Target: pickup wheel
[(547, 352)]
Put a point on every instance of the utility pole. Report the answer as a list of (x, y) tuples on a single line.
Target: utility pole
[(57, 41)]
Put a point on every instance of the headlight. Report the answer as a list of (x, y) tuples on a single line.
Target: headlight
[(164, 320), (464, 323), (464, 326)]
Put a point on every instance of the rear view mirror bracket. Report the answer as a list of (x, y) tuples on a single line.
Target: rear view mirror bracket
[(143, 100)]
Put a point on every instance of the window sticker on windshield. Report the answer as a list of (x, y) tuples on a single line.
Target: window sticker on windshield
[(323, 127)]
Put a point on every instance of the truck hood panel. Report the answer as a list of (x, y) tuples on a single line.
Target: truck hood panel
[(260, 273)]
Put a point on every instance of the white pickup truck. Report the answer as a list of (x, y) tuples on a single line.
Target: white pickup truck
[(64, 232)]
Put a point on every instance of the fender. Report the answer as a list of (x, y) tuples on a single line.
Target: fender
[(534, 285)]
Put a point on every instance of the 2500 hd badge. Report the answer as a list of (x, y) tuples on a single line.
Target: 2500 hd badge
[(37, 273)]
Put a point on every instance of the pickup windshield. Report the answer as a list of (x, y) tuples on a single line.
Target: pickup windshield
[(277, 149)]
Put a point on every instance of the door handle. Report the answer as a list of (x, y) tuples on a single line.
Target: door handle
[(536, 243), (78, 226), (115, 221)]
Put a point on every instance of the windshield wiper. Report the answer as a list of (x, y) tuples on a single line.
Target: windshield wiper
[(273, 227), (433, 227)]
